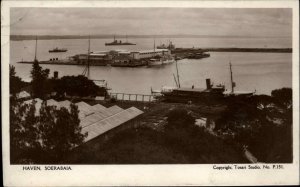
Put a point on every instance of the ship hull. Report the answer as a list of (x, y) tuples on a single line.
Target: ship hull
[(61, 51), (160, 62), (108, 44), (157, 62)]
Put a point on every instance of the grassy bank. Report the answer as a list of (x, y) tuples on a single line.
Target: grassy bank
[(146, 146)]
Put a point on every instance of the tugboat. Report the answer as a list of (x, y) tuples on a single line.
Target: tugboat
[(57, 50), (212, 93), (160, 61), (116, 42), (180, 94)]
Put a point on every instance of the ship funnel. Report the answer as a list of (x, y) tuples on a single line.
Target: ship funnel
[(208, 84)]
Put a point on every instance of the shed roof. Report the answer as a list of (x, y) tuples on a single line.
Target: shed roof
[(100, 113), (84, 109), (111, 122), (115, 109), (65, 103), (52, 102)]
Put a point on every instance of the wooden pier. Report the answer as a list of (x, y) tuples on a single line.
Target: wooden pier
[(132, 97)]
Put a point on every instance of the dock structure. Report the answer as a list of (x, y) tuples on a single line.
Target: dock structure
[(132, 97)]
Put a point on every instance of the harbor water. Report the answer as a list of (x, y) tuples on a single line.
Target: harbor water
[(262, 72)]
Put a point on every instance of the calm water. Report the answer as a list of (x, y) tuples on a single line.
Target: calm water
[(262, 72)]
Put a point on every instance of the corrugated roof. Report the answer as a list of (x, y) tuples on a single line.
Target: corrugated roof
[(100, 120), (111, 122), (98, 107), (52, 102), (100, 113), (65, 104), (115, 109), (91, 119), (84, 109)]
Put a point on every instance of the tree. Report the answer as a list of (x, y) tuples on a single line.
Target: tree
[(23, 131), (46, 138), (15, 82), (60, 131), (39, 79), (180, 118), (77, 86), (283, 97), (252, 122)]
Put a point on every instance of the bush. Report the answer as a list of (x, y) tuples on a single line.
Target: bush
[(77, 86), (283, 97), (113, 100), (180, 118), (252, 120)]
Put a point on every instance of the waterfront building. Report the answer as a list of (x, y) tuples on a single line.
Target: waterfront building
[(95, 59), (150, 53)]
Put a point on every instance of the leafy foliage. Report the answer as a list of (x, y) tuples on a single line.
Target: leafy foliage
[(76, 86), (263, 123), (15, 82), (46, 138), (60, 131), (39, 80), (283, 97), (179, 118)]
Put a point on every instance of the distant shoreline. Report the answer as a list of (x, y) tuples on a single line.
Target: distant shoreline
[(231, 49), (60, 37), (259, 50)]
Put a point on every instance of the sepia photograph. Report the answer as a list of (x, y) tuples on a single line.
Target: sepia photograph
[(130, 86)]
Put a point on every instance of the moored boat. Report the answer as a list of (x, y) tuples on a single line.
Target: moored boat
[(58, 50), (160, 61), (116, 42)]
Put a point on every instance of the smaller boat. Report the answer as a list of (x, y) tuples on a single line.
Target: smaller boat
[(160, 61), (57, 50)]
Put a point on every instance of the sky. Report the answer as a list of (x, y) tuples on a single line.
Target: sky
[(152, 21)]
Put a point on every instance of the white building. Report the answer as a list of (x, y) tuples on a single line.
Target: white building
[(149, 53)]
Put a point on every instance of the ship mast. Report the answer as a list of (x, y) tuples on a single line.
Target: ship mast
[(86, 71), (231, 79), (88, 59), (177, 74), (154, 45), (35, 49)]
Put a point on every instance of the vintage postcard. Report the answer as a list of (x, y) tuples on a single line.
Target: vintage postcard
[(105, 93)]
